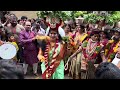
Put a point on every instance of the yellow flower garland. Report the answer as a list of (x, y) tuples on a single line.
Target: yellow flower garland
[(116, 47)]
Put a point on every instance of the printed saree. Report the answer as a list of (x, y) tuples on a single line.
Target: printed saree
[(59, 72)]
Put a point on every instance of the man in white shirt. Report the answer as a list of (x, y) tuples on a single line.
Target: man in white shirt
[(38, 29), (41, 31)]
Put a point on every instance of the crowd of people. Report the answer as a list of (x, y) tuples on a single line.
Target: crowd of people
[(81, 50)]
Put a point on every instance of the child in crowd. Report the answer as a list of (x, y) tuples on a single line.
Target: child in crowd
[(11, 39)]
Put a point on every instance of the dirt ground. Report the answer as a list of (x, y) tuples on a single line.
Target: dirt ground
[(29, 14), (39, 77), (31, 76)]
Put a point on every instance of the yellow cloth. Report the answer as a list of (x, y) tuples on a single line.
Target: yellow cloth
[(80, 38), (116, 47), (15, 44), (17, 48)]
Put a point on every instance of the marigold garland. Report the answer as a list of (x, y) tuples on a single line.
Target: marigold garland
[(111, 49), (97, 50)]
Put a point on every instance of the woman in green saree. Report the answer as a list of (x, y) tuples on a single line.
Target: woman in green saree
[(52, 57)]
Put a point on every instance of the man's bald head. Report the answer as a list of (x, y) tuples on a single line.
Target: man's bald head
[(28, 25)]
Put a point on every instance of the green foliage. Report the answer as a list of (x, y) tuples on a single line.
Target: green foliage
[(59, 14), (62, 14), (92, 18), (41, 14), (97, 49), (112, 55), (65, 39), (78, 13), (85, 44), (114, 16)]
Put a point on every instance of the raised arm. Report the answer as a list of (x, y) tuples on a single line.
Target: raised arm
[(40, 56), (78, 51)]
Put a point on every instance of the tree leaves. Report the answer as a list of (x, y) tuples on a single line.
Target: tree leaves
[(114, 16), (59, 14)]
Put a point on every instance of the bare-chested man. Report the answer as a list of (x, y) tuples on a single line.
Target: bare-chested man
[(14, 28)]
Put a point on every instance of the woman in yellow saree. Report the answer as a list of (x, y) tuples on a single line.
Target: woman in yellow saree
[(75, 64)]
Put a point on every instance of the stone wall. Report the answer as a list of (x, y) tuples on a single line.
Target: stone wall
[(29, 14)]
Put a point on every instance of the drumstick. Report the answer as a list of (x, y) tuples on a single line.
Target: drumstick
[(66, 65)]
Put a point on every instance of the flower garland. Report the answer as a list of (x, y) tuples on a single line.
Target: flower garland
[(70, 44), (112, 48), (46, 53), (95, 52), (48, 72)]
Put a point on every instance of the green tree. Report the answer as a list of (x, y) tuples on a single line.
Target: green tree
[(114, 16), (59, 14)]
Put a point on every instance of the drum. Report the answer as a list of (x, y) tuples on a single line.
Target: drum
[(7, 51)]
